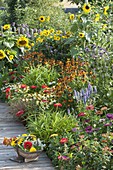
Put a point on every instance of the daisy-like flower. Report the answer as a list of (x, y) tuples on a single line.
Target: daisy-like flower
[(6, 27), (22, 42), (81, 35), (71, 17), (11, 57), (42, 18), (2, 54), (86, 8), (106, 8)]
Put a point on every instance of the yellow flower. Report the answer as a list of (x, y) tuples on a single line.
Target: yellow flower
[(20, 141), (86, 8), (24, 135), (52, 30), (11, 57), (35, 34), (46, 32), (41, 18), (56, 38), (104, 26), (33, 137), (28, 46), (54, 135), (105, 10), (97, 17), (58, 32), (2, 54), (22, 41), (39, 40), (32, 149), (71, 17), (6, 27), (48, 18), (13, 143), (32, 44), (81, 35)]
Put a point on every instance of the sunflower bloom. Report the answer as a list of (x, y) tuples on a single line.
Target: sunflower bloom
[(11, 57), (86, 8), (71, 17), (22, 42), (56, 38), (41, 18), (6, 27), (81, 35), (32, 149), (2, 54), (39, 40), (105, 10)]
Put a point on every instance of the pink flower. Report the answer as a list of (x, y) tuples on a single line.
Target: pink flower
[(33, 87), (90, 107), (44, 86), (46, 91), (81, 114), (64, 140), (19, 113), (23, 86), (57, 105)]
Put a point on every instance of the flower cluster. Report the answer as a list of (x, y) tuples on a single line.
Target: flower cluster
[(26, 142)]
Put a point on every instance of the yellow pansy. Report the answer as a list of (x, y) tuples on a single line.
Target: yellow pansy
[(2, 54), (6, 27), (11, 57)]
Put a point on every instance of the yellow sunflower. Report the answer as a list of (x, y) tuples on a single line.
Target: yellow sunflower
[(71, 17), (39, 40), (11, 57), (22, 42), (81, 35), (105, 10), (13, 143), (86, 8), (56, 38), (2, 54), (41, 18), (6, 27)]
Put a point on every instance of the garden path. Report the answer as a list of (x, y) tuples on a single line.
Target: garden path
[(10, 127)]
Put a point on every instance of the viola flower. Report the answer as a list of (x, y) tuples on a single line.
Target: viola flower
[(33, 87), (90, 107), (64, 140), (86, 8), (109, 116), (27, 145), (57, 105), (108, 124), (20, 113), (89, 129), (65, 158), (81, 114)]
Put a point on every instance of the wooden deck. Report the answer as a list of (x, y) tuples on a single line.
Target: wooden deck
[(11, 127)]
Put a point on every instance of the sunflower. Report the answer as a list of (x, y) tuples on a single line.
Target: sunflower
[(86, 8), (2, 54), (56, 38), (39, 40), (41, 18), (81, 35), (105, 10), (22, 41), (6, 27), (71, 17), (11, 57)]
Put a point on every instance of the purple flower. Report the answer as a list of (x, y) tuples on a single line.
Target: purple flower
[(89, 129), (74, 129), (65, 158), (108, 124), (109, 116)]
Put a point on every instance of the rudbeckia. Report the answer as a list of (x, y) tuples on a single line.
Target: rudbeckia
[(81, 35), (2, 54), (71, 17), (6, 27), (105, 10), (41, 18), (86, 8), (22, 42)]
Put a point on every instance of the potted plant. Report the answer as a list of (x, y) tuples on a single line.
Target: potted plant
[(27, 146)]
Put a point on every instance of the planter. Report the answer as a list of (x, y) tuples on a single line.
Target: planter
[(24, 156)]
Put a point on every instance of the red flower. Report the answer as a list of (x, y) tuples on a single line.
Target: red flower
[(27, 145), (44, 86), (64, 140), (33, 87), (57, 105), (46, 91), (81, 114), (90, 107), (7, 90), (12, 72), (23, 86), (21, 77), (45, 101), (19, 113)]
